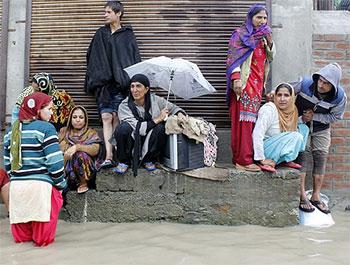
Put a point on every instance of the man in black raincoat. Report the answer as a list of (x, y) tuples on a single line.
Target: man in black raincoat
[(112, 49)]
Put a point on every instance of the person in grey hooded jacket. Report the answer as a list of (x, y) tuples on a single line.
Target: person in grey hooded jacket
[(320, 101)]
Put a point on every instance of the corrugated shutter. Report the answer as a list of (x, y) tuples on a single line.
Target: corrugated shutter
[(0, 20), (195, 30)]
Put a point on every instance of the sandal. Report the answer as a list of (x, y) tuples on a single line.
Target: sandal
[(321, 206), (251, 167), (108, 163), (268, 168), (290, 164), (306, 206), (82, 189), (121, 168), (149, 166)]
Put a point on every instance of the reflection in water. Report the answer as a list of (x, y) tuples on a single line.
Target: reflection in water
[(167, 244)]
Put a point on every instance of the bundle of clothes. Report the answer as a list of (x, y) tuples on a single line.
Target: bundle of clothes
[(197, 129)]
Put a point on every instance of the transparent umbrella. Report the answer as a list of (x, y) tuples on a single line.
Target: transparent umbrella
[(178, 76)]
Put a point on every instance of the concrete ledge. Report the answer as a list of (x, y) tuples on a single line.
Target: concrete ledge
[(244, 198)]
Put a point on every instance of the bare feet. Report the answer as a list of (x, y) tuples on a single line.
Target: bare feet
[(82, 188)]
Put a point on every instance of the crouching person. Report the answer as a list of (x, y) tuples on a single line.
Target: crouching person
[(140, 136)]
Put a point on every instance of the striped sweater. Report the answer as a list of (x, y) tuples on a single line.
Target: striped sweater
[(42, 158)]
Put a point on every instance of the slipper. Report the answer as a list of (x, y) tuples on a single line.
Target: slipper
[(149, 166), (290, 164), (251, 167), (268, 168), (321, 206), (82, 189), (121, 168), (107, 164), (304, 203)]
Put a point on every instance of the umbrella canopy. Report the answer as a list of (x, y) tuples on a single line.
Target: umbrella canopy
[(181, 77)]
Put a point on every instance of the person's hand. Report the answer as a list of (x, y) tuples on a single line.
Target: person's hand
[(162, 116), (270, 96), (236, 86), (70, 152), (307, 115), (269, 40)]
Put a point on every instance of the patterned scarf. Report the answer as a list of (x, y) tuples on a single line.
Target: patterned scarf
[(85, 136), (243, 42), (45, 83), (81, 165)]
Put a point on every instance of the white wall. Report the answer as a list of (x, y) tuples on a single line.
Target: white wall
[(292, 33), (331, 22)]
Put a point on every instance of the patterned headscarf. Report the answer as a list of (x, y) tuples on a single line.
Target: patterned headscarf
[(288, 118), (85, 136), (28, 112), (45, 83), (243, 42)]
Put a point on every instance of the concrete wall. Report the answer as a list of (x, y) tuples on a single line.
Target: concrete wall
[(16, 53), (292, 33)]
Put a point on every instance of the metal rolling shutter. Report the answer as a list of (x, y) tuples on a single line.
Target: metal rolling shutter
[(196, 30)]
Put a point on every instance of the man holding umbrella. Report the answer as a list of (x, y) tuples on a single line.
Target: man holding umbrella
[(112, 48), (141, 135)]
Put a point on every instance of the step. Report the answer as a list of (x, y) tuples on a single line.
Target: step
[(236, 199)]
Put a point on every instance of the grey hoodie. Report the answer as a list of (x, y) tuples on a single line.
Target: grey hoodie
[(325, 111), (331, 72)]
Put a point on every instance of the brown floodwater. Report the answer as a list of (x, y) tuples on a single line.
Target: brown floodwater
[(182, 244)]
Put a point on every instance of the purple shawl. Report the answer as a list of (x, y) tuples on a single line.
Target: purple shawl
[(243, 42)]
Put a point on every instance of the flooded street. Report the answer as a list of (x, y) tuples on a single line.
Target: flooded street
[(170, 244)]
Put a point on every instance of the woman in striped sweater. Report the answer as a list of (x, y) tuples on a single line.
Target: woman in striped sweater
[(34, 161)]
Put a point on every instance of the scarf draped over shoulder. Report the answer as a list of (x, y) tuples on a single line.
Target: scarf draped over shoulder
[(288, 118), (242, 43), (86, 135)]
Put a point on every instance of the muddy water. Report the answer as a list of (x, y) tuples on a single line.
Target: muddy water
[(170, 244)]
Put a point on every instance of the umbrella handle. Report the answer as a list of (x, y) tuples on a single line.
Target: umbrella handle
[(170, 83)]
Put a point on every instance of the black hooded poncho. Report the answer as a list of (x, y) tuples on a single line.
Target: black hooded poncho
[(107, 56)]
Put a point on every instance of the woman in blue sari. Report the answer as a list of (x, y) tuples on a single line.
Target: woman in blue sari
[(277, 137)]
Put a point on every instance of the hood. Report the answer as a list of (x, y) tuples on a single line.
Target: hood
[(331, 72)]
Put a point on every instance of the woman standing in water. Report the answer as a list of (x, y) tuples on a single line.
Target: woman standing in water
[(80, 145), (250, 50), (33, 158)]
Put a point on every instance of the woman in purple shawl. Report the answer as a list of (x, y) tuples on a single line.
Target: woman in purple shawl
[(250, 51)]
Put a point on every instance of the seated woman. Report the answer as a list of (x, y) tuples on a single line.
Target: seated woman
[(277, 138), (33, 158), (141, 135), (80, 146)]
